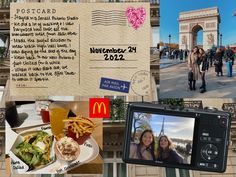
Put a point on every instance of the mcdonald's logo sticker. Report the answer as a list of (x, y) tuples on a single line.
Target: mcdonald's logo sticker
[(99, 108)]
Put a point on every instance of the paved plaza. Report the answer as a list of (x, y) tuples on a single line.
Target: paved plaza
[(174, 82)]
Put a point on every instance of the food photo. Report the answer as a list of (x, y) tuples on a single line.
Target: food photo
[(66, 141)]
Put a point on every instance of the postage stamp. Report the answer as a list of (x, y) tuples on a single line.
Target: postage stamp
[(140, 83), (114, 85)]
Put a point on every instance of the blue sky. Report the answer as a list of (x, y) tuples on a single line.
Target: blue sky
[(173, 127), (169, 12)]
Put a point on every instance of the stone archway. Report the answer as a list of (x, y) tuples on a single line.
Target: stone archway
[(191, 22), (195, 31)]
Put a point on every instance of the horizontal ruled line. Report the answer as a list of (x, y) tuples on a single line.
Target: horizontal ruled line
[(31, 87), (110, 17), (112, 44), (113, 67), (116, 53), (108, 11), (108, 24), (113, 60)]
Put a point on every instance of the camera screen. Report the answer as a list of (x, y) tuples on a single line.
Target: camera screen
[(161, 138)]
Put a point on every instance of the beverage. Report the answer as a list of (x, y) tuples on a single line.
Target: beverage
[(57, 115), (12, 116), (45, 115)]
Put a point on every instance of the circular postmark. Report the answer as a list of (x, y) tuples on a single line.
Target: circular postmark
[(140, 83)]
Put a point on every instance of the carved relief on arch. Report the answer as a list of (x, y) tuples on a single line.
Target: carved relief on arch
[(183, 27), (211, 25), (184, 40), (192, 25), (210, 39)]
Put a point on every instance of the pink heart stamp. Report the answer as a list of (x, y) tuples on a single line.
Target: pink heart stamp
[(136, 17)]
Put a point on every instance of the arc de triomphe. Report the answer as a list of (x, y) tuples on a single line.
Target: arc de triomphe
[(191, 22)]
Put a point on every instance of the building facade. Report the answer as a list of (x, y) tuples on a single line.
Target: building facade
[(4, 42)]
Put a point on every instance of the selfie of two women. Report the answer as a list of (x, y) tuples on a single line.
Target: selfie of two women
[(165, 151), (161, 138)]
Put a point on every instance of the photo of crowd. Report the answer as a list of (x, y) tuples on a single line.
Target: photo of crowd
[(199, 62), (197, 49)]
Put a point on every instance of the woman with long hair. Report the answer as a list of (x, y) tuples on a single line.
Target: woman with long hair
[(145, 149), (193, 67), (166, 152), (218, 62), (203, 64)]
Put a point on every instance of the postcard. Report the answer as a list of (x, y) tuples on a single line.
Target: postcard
[(80, 49)]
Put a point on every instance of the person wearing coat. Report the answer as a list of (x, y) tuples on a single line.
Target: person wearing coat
[(181, 54), (218, 62), (193, 67), (145, 149), (166, 152), (229, 58), (203, 64)]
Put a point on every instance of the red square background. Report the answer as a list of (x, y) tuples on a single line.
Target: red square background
[(99, 108)]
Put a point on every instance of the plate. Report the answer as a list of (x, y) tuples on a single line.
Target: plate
[(88, 151)]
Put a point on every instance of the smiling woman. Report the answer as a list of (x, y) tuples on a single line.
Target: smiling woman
[(166, 152), (145, 149)]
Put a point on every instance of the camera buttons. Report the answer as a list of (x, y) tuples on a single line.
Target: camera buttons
[(207, 165), (218, 140), (212, 165), (205, 134), (204, 139), (209, 152), (201, 164)]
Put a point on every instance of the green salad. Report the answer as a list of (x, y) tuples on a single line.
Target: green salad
[(35, 149)]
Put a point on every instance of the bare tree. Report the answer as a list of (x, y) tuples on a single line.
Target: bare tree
[(141, 122)]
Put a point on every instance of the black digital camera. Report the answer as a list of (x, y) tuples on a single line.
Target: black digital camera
[(195, 139)]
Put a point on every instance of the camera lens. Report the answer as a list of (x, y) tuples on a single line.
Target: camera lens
[(211, 109), (223, 121)]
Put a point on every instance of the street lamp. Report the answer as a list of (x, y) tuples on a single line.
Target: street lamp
[(169, 44), (220, 40)]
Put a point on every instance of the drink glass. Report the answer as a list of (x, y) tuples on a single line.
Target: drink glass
[(58, 112), (45, 115)]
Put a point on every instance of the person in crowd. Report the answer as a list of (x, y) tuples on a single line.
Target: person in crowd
[(181, 54), (161, 53), (176, 54), (166, 151), (218, 62), (229, 58), (188, 148), (172, 55), (145, 149), (186, 52), (210, 55), (203, 64), (167, 53), (193, 67)]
